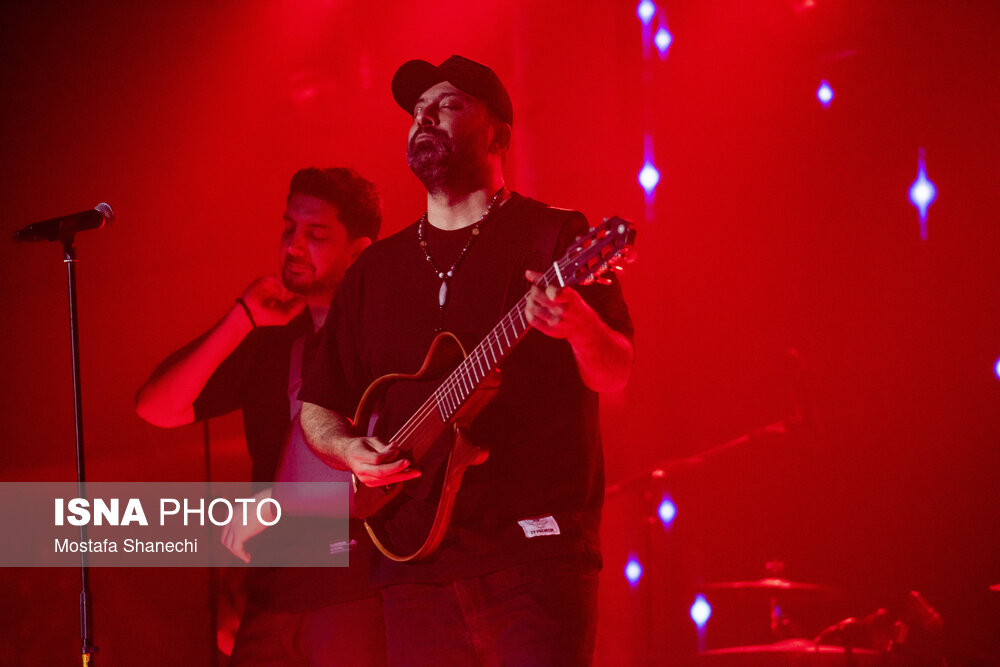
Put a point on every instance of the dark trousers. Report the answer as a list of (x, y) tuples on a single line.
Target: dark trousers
[(540, 613), (347, 633)]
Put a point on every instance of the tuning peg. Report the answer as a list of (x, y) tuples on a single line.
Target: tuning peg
[(617, 268)]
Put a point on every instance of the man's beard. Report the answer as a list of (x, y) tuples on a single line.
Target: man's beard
[(442, 161), (304, 285)]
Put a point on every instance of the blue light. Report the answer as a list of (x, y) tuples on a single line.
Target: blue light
[(701, 611), (645, 11), (667, 511), (649, 177), (824, 93), (996, 369), (663, 40), (633, 571), (922, 194)]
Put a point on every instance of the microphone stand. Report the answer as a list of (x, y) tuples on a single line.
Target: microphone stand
[(213, 577), (69, 258)]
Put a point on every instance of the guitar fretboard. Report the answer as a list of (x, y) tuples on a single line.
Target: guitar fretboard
[(459, 386), (454, 391), (580, 264)]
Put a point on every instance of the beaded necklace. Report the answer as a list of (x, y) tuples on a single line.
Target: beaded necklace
[(446, 275)]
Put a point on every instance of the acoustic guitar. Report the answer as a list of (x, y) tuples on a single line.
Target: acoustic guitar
[(473, 381)]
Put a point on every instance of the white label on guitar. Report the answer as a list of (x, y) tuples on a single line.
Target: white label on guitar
[(546, 525)]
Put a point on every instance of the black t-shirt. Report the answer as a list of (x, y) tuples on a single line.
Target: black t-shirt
[(542, 429), (254, 379)]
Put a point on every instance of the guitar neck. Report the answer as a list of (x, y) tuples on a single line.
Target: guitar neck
[(583, 262), (458, 387), (452, 394)]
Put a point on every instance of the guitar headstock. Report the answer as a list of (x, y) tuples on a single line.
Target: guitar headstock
[(606, 247)]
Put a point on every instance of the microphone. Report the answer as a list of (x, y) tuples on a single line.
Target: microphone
[(67, 225)]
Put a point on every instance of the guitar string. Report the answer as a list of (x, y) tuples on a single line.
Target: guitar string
[(477, 365), (456, 383), (460, 381), (450, 392), (451, 385), (448, 386), (420, 425)]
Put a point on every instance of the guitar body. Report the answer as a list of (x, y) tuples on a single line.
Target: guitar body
[(436, 445)]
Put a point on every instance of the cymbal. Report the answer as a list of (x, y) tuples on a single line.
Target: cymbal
[(787, 646), (768, 584)]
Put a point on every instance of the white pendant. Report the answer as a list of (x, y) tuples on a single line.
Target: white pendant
[(443, 293)]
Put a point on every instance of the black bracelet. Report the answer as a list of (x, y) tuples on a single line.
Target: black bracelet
[(246, 309)]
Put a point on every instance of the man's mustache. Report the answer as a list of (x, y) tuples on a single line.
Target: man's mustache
[(428, 132), (296, 264)]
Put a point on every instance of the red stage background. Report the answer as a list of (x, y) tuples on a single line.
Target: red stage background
[(777, 224)]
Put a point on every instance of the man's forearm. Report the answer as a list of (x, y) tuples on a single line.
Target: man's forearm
[(326, 432), (603, 357), (167, 398)]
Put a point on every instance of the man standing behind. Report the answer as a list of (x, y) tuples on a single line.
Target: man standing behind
[(515, 579), (252, 360)]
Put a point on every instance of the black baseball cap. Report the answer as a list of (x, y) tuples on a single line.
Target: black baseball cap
[(416, 76)]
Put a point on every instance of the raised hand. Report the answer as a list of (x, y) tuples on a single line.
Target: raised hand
[(560, 313), (271, 303)]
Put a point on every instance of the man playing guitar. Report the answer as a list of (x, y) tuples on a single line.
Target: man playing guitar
[(514, 580)]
